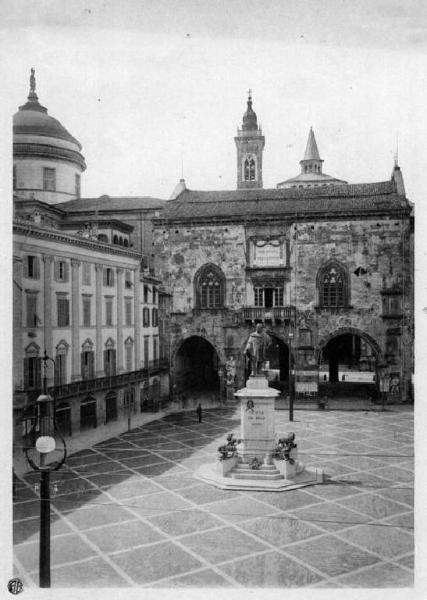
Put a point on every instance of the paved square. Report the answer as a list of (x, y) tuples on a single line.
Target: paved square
[(129, 512)]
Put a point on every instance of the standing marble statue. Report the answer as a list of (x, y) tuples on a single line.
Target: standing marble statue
[(256, 349)]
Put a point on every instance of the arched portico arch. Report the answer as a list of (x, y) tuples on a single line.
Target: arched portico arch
[(348, 359), (195, 364)]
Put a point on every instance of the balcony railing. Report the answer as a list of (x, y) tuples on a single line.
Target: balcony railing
[(106, 383), (276, 313)]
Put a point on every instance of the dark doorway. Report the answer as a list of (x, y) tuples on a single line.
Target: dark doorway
[(88, 413), (63, 418), (196, 368), (110, 407)]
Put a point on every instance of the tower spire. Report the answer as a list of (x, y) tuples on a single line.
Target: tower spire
[(311, 163)]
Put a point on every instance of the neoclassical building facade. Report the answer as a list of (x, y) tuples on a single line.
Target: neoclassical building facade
[(85, 301)]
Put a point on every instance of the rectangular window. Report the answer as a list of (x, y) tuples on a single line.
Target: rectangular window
[(146, 350), (63, 311), (110, 362), (32, 372), (259, 296), (268, 297), (145, 294), (129, 358), (88, 370), (33, 267), (154, 317), (87, 272), (128, 279), (86, 312), (108, 277), (49, 179), (154, 295), (155, 347), (32, 317), (60, 369), (146, 317), (77, 185), (128, 311), (109, 311), (61, 270)]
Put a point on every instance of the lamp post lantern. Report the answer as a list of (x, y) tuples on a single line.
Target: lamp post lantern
[(45, 451)]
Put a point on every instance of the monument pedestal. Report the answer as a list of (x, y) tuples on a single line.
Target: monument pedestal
[(252, 463), (257, 420)]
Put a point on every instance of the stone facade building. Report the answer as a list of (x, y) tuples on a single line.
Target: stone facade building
[(325, 265)]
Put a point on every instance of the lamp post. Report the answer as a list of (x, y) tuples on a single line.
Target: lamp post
[(291, 398), (45, 451), (45, 358)]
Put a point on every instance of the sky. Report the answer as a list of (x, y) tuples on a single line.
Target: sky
[(157, 89)]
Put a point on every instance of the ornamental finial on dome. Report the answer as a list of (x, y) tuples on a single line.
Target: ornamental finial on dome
[(32, 95)]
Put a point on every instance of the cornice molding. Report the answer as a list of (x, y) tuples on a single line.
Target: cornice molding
[(28, 150), (55, 236)]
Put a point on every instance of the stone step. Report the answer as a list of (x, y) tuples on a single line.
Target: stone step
[(255, 475), (262, 468), (262, 471)]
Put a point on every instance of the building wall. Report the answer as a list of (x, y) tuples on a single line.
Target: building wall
[(379, 248)]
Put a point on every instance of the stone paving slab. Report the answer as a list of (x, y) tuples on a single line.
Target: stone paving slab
[(129, 512)]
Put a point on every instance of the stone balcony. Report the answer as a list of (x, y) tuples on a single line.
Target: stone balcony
[(276, 314), (85, 386)]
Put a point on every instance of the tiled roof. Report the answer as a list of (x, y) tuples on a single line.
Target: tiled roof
[(330, 200), (109, 203)]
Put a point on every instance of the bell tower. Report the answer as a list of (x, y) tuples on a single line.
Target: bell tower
[(250, 144)]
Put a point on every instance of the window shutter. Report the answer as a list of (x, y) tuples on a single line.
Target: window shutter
[(82, 366), (56, 270), (26, 367), (106, 362), (90, 364), (57, 376), (37, 267), (38, 373), (113, 362), (66, 270), (67, 311)]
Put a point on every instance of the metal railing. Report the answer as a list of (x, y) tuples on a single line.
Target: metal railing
[(109, 382)]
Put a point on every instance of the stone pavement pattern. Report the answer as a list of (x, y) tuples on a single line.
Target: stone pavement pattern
[(128, 512)]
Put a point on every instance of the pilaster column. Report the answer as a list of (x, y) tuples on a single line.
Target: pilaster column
[(137, 313), (18, 347), (47, 313), (120, 367), (75, 320), (99, 355)]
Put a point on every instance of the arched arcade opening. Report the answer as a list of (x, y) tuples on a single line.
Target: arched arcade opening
[(348, 365), (196, 369)]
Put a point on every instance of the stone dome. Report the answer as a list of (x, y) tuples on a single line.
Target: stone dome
[(32, 119), (38, 135)]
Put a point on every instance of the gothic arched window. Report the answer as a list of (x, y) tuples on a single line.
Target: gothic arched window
[(209, 287), (250, 169), (333, 285)]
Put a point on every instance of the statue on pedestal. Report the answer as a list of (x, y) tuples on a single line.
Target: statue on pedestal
[(230, 367), (256, 349)]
